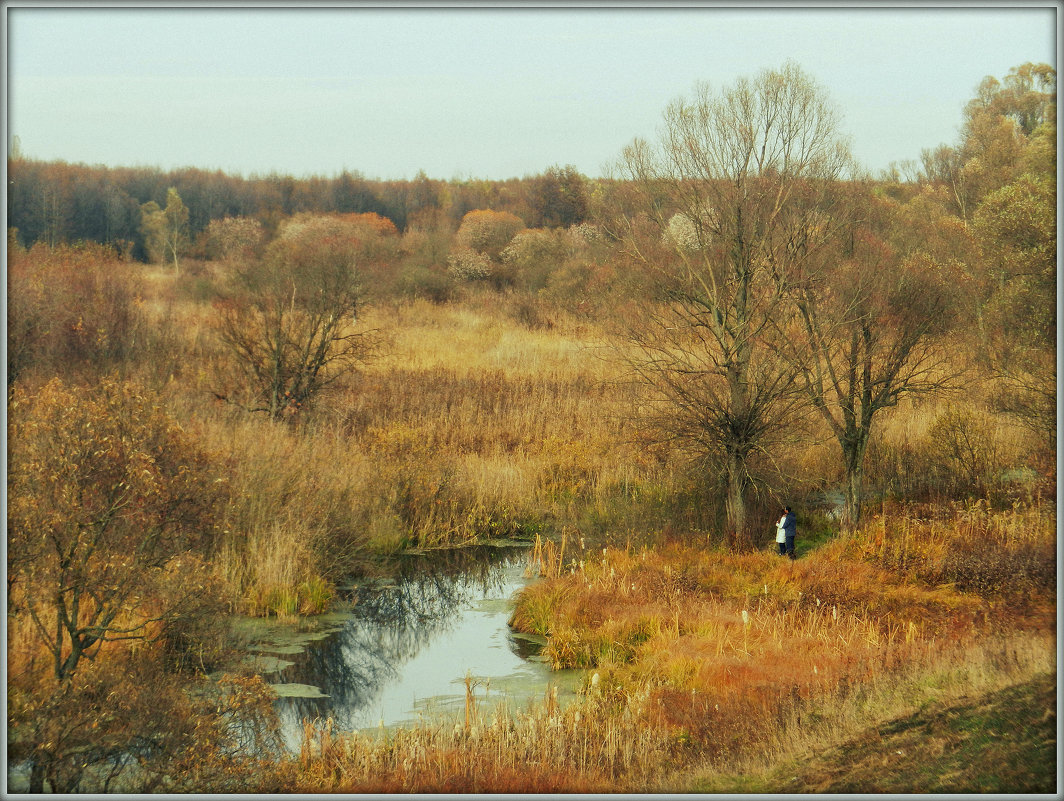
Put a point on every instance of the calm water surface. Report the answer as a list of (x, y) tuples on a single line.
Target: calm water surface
[(404, 651)]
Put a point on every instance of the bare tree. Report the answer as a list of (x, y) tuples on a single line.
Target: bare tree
[(871, 327), (291, 321), (726, 210)]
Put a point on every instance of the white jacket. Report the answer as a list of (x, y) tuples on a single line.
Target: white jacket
[(780, 535)]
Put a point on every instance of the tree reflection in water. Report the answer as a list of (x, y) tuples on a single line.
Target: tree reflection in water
[(444, 616)]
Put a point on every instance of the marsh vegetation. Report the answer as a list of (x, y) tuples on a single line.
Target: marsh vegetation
[(244, 410)]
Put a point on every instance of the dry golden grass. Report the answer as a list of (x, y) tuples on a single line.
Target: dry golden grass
[(591, 746), (946, 677), (469, 426), (949, 447), (480, 336), (706, 666), (732, 644)]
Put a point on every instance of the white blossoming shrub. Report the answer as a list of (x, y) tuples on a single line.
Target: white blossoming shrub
[(681, 233), (465, 264), (585, 233)]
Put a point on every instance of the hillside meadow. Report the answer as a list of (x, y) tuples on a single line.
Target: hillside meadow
[(239, 406), (702, 664)]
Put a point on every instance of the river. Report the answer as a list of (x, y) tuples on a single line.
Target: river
[(404, 649)]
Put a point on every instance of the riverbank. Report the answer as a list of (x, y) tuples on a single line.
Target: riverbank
[(418, 644), (707, 667)]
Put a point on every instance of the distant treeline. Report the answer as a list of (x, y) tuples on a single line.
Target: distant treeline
[(57, 202), (1009, 130)]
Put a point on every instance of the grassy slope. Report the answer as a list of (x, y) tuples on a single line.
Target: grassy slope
[(999, 742)]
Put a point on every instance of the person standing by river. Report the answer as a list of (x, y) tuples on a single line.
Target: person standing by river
[(790, 529)]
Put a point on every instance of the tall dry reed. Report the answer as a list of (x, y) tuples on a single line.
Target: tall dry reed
[(732, 646)]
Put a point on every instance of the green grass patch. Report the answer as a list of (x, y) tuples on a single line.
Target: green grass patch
[(814, 530)]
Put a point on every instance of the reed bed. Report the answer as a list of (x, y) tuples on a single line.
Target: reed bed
[(703, 664), (733, 645), (468, 428), (590, 746), (1005, 556)]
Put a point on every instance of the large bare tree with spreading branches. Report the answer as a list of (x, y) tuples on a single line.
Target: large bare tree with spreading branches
[(869, 331), (727, 210)]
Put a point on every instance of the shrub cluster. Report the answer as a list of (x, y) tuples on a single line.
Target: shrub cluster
[(466, 264)]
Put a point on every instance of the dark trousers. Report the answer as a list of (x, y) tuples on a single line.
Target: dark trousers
[(783, 547), (790, 547)]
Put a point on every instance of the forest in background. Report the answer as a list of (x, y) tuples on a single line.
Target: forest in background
[(228, 395), (56, 202)]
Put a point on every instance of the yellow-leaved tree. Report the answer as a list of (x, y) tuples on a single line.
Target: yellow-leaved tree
[(112, 512), (165, 230)]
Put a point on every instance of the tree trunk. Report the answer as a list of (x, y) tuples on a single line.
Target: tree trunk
[(851, 513), (735, 504), (37, 776), (853, 454)]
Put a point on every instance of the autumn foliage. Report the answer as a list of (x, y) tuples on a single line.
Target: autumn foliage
[(113, 516), (343, 370), (73, 308), (487, 231)]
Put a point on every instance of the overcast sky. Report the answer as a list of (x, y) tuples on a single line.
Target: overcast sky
[(488, 92)]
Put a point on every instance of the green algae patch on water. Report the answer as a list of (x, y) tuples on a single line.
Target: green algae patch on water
[(291, 650), (535, 639), (492, 606), (507, 543), (267, 634), (295, 690), (264, 664)]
